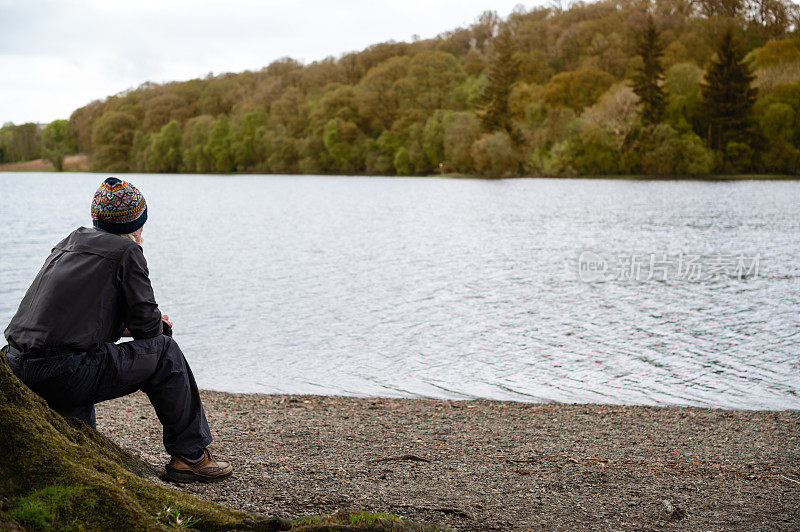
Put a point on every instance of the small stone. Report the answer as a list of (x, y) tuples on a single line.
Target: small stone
[(671, 512)]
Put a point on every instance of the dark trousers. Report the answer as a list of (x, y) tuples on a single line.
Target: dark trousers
[(73, 383)]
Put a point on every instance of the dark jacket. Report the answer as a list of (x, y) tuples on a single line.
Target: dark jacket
[(93, 285)]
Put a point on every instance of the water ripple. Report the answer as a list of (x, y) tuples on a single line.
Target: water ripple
[(452, 288)]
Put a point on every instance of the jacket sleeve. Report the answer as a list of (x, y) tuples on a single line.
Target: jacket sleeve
[(142, 317)]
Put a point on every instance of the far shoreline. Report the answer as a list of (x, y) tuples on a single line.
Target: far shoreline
[(80, 163)]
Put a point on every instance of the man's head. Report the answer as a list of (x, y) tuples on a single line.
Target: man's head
[(118, 207)]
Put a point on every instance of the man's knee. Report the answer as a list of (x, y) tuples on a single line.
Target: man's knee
[(170, 345), (161, 351), (171, 353), (159, 344)]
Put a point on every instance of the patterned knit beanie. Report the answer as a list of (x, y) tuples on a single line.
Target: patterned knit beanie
[(118, 207)]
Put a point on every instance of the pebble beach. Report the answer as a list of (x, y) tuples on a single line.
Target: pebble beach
[(492, 465)]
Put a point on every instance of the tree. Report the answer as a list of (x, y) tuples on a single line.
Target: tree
[(218, 97), (682, 85), (577, 89), (433, 138), (378, 97), (218, 146), (159, 109), (195, 158), (593, 150), (57, 142), (289, 112), (494, 155), (773, 17), (339, 137), (336, 101), (244, 150), (112, 139), (666, 152), (615, 111), (648, 76), (727, 95), (778, 122), (22, 142), (721, 8), (466, 96), (281, 150), (484, 28), (379, 154), (164, 153), (81, 122), (431, 76), (461, 131), (140, 150), (474, 63), (402, 163), (502, 74), (775, 63)]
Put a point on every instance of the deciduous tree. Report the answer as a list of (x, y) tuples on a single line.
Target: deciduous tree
[(431, 76), (112, 139), (378, 94), (164, 154), (57, 142), (577, 89)]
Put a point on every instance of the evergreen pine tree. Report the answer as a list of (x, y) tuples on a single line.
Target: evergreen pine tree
[(728, 95), (502, 74), (647, 79)]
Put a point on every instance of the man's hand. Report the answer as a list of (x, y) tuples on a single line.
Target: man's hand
[(166, 326)]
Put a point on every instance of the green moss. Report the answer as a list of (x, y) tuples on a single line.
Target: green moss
[(45, 507)]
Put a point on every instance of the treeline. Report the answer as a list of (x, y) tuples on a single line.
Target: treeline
[(618, 86), (32, 141)]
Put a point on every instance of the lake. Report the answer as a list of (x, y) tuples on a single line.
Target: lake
[(571, 290)]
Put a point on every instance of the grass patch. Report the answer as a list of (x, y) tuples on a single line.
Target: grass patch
[(364, 518), (171, 516), (347, 518)]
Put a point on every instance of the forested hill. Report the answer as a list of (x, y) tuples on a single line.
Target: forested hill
[(617, 86)]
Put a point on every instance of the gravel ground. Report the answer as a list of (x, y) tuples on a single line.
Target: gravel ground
[(489, 465)]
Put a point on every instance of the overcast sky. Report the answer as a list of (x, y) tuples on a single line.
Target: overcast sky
[(56, 56)]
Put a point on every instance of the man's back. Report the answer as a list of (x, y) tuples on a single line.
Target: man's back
[(92, 286)]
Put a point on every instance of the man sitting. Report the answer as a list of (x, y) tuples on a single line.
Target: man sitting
[(93, 289)]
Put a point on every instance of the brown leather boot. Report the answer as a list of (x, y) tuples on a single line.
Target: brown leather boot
[(204, 469)]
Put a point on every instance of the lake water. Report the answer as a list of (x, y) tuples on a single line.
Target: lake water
[(446, 288)]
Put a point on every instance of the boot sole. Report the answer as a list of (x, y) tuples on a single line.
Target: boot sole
[(178, 475)]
